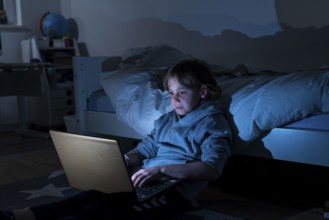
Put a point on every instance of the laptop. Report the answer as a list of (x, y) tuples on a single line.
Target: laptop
[(98, 164)]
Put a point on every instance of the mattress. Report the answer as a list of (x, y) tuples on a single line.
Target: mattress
[(314, 122)]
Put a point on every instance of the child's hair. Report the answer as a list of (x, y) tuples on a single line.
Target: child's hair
[(193, 74)]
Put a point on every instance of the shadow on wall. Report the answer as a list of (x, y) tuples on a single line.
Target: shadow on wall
[(302, 13), (289, 50), (295, 47)]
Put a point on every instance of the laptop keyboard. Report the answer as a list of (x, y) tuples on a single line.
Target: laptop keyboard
[(146, 191)]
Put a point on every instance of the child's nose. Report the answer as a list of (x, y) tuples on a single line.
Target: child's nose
[(175, 97)]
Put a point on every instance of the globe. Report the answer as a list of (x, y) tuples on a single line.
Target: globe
[(53, 25)]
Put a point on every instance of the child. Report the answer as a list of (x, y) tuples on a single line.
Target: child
[(192, 142)]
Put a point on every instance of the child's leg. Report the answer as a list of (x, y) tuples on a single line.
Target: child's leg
[(124, 206), (85, 205), (163, 206), (97, 205), (65, 207)]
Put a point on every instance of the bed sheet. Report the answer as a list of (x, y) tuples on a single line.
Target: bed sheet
[(268, 101)]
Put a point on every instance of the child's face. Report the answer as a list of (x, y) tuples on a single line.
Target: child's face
[(183, 99)]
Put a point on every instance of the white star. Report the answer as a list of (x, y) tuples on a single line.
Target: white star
[(49, 190), (56, 173)]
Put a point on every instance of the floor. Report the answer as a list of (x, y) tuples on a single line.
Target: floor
[(260, 189), (251, 188), (23, 157)]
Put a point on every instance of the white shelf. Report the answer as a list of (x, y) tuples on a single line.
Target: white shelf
[(58, 99)]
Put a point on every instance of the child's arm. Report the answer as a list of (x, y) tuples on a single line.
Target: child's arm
[(134, 159), (194, 170)]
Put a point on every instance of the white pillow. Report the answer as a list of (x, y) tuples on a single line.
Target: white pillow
[(260, 107)]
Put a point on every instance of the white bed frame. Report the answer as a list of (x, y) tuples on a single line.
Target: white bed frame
[(87, 73), (295, 145)]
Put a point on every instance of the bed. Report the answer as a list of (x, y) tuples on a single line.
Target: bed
[(278, 115)]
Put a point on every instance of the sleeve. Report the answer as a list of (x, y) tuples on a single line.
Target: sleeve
[(215, 137), (147, 146)]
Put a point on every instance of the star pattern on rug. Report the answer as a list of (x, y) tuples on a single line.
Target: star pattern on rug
[(56, 173), (49, 190)]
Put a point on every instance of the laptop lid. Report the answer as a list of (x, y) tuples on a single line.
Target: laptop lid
[(92, 163)]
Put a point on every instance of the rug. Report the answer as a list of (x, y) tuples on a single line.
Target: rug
[(55, 187), (44, 189)]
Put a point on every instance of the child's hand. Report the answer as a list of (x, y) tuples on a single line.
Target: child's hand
[(144, 176)]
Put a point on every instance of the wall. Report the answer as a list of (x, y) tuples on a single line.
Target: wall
[(11, 37), (283, 35)]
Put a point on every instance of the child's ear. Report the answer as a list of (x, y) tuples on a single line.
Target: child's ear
[(203, 92)]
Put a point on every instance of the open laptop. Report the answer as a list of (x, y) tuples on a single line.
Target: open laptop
[(98, 163)]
